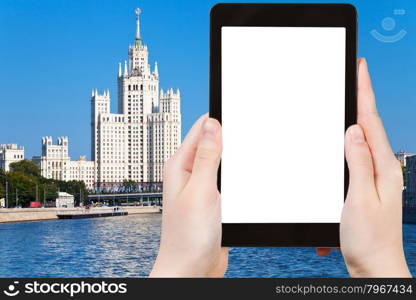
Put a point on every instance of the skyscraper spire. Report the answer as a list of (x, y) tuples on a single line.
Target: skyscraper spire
[(125, 68), (119, 69), (138, 11), (156, 71)]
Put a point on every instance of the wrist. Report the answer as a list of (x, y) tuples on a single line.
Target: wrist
[(184, 266), (173, 268), (380, 266), (396, 273)]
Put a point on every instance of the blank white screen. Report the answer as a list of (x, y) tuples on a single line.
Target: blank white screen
[(283, 104)]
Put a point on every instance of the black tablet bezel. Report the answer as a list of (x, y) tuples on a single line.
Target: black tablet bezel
[(284, 15)]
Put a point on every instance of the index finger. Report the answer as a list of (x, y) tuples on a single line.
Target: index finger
[(370, 121)]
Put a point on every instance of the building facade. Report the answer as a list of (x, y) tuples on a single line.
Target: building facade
[(135, 142), (402, 156), (10, 153), (409, 193), (54, 158), (55, 163)]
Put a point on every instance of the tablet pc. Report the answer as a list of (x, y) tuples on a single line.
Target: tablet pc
[(283, 86)]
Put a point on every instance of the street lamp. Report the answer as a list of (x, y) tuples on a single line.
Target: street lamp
[(7, 194)]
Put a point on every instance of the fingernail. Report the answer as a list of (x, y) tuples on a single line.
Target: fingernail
[(210, 128), (357, 134), (361, 62)]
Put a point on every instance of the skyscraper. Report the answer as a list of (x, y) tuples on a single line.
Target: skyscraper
[(135, 142)]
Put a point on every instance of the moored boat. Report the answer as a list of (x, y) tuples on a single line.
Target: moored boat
[(92, 213)]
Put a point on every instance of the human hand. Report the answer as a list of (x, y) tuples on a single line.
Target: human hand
[(191, 223), (371, 223)]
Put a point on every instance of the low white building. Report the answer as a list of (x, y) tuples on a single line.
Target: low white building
[(55, 163), (81, 169), (10, 153), (64, 200)]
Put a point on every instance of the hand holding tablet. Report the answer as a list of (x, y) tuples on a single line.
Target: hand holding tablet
[(371, 220), (371, 224)]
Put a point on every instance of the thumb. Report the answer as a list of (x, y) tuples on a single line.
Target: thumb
[(208, 153), (360, 162)]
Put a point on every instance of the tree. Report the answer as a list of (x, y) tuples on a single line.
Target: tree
[(2, 194), (24, 185), (129, 184), (26, 167), (2, 183)]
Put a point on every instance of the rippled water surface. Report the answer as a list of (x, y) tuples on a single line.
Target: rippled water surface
[(127, 246)]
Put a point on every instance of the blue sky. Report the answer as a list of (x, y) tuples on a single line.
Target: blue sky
[(52, 53)]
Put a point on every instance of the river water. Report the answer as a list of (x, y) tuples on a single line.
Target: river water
[(127, 246)]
